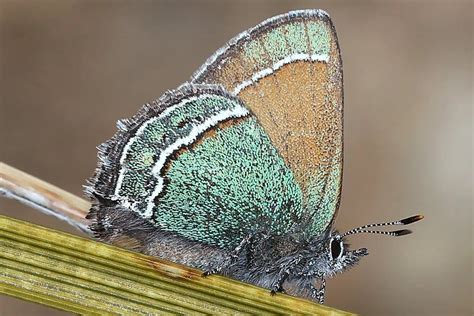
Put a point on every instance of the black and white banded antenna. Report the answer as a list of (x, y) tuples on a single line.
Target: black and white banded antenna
[(401, 232)]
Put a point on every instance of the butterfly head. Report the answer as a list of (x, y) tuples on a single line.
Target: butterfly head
[(334, 254), (339, 256)]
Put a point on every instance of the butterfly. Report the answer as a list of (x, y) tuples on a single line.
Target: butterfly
[(238, 171)]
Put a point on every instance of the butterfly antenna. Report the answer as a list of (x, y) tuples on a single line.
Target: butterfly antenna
[(405, 221)]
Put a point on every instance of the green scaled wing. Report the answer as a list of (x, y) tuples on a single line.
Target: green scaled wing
[(197, 163)]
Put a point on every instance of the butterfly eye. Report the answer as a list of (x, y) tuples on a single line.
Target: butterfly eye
[(336, 247)]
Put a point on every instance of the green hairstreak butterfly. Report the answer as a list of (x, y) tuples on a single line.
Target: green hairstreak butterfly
[(238, 171)]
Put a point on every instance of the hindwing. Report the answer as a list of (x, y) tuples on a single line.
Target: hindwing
[(197, 163)]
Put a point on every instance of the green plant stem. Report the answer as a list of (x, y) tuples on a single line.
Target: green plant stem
[(88, 277)]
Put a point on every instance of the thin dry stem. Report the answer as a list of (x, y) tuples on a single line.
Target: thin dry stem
[(47, 198)]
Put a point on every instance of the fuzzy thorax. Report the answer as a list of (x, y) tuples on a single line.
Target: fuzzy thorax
[(285, 263)]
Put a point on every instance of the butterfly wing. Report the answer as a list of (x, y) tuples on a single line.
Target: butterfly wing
[(196, 163), (288, 71)]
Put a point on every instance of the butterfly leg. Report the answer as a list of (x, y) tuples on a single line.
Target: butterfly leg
[(278, 286), (318, 293), (283, 275), (234, 255)]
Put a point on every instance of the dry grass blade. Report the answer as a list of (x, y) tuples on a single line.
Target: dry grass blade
[(88, 277), (85, 276)]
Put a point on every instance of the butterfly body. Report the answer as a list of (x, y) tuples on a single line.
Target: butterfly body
[(294, 262), (239, 170)]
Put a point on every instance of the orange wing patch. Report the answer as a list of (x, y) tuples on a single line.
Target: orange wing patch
[(288, 72)]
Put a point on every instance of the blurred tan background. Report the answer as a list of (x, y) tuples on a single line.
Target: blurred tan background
[(70, 69)]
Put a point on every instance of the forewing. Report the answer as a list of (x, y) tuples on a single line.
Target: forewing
[(288, 71), (197, 164)]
